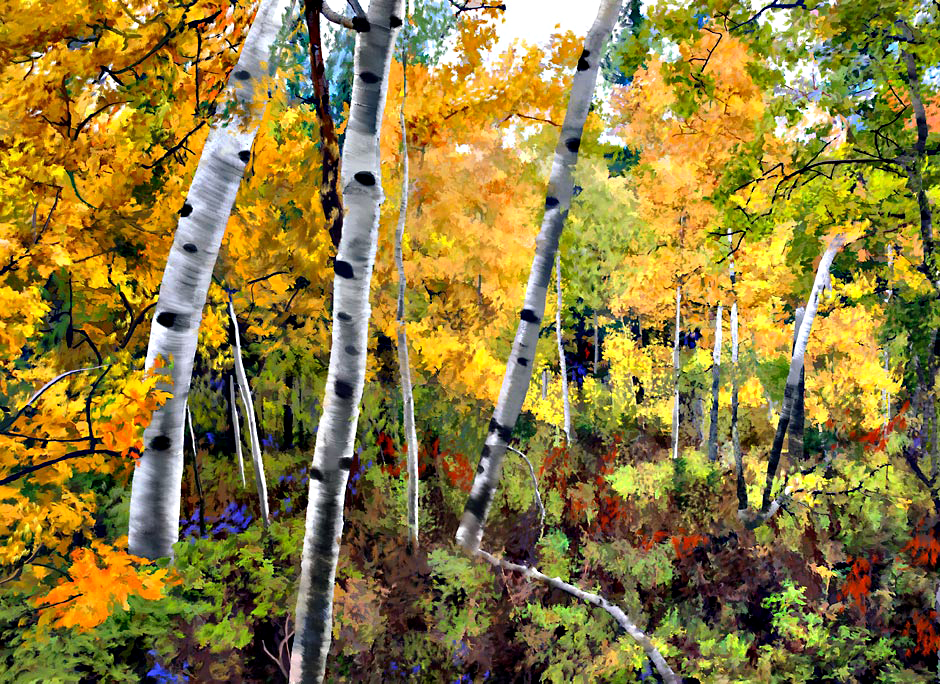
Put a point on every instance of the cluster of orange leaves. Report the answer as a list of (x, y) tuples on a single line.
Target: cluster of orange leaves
[(100, 579), (858, 583)]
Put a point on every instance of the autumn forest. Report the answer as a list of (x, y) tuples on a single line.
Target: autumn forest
[(368, 343)]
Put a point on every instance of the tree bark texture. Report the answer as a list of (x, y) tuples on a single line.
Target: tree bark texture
[(155, 489), (333, 453), (557, 203)]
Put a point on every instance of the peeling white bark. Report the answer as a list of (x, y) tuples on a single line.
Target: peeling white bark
[(355, 258), (155, 489), (557, 202)]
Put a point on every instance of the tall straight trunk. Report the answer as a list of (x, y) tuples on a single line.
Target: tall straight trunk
[(675, 377), (566, 404), (155, 489), (796, 366), (245, 391), (797, 421), (557, 202), (544, 384), (716, 381), (404, 367), (333, 453), (287, 440)]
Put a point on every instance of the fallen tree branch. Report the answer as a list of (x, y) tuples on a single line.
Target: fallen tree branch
[(625, 623)]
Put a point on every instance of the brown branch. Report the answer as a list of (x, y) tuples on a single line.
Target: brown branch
[(331, 196)]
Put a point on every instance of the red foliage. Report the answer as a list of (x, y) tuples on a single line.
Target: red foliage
[(924, 548), (877, 439), (858, 583), (927, 639)]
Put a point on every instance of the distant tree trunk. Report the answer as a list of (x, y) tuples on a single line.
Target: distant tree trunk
[(675, 377), (716, 381), (288, 438), (597, 343), (196, 478), (557, 202), (795, 431), (544, 384), (155, 488), (796, 365), (735, 435), (561, 352), (355, 258), (886, 395)]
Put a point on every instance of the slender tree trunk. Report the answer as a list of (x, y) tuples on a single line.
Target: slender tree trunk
[(675, 378), (796, 365), (245, 392), (333, 454), (716, 381), (544, 384), (403, 364), (155, 489), (561, 352), (196, 478), (795, 430), (597, 343), (288, 437), (557, 202)]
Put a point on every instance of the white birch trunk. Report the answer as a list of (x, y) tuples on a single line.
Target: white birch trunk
[(675, 378), (247, 403), (566, 404), (886, 395), (796, 366), (716, 381), (355, 258), (404, 367), (155, 489), (557, 202)]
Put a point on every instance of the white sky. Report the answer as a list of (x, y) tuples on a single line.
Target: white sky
[(535, 20)]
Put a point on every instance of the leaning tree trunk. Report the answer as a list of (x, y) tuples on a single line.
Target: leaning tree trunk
[(798, 420), (796, 366), (333, 454), (557, 202), (155, 489)]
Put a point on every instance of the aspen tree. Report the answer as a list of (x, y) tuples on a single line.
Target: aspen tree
[(355, 259), (174, 333)]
